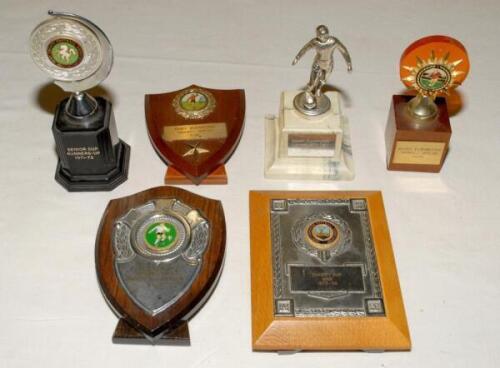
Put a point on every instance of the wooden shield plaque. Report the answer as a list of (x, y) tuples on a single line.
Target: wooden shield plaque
[(195, 130), (159, 254), (323, 273)]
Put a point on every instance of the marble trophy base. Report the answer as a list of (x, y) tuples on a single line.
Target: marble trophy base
[(304, 147)]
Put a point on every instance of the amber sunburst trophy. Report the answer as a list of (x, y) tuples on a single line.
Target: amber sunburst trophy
[(195, 130), (418, 130)]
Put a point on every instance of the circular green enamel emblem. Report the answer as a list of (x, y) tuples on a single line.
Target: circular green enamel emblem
[(160, 235), (65, 53), (433, 77), (194, 101)]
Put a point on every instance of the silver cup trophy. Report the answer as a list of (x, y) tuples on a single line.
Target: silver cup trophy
[(78, 56)]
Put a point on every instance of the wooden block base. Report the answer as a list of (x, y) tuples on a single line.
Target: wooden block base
[(126, 334), (414, 145), (174, 177)]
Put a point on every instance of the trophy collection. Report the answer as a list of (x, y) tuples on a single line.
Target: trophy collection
[(323, 271)]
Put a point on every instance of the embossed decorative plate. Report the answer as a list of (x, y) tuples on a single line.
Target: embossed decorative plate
[(323, 273)]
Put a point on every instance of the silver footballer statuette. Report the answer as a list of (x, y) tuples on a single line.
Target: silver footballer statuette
[(310, 138), (313, 101), (77, 55)]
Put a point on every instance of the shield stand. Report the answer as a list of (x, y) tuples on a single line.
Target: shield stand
[(126, 334), (174, 177)]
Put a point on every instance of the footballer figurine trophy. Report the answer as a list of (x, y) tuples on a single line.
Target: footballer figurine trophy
[(418, 129), (78, 56), (310, 139)]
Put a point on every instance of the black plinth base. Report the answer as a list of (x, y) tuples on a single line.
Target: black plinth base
[(100, 182)]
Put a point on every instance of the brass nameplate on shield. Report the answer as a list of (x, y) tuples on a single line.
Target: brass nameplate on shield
[(193, 132)]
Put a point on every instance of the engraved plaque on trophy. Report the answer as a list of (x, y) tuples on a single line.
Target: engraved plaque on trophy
[(323, 273), (310, 139), (78, 56), (159, 255), (418, 129), (195, 131)]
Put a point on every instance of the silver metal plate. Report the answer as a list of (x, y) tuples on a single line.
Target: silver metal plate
[(72, 50), (158, 252), (324, 262)]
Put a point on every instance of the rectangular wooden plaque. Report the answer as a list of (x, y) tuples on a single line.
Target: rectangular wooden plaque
[(323, 273)]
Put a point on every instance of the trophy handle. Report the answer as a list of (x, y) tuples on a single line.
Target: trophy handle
[(107, 56)]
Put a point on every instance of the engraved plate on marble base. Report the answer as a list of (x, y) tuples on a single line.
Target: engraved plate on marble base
[(308, 148)]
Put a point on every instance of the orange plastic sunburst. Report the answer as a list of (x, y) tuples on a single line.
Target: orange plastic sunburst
[(433, 65)]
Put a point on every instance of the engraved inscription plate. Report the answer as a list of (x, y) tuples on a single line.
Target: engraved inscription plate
[(324, 261), (194, 132), (312, 279), (311, 145), (423, 153)]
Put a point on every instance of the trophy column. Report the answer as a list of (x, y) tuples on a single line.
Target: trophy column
[(78, 56), (91, 156)]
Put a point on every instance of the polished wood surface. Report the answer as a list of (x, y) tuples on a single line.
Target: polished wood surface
[(174, 177), (201, 287), (401, 127), (270, 332), (229, 109)]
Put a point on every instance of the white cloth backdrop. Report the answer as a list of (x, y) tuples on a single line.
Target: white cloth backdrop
[(445, 227)]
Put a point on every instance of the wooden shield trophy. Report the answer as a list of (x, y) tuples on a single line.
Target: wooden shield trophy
[(195, 131), (159, 254)]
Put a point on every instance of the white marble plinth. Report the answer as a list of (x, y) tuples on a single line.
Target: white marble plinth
[(311, 161)]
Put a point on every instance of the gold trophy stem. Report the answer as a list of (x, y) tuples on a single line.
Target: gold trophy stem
[(422, 107)]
